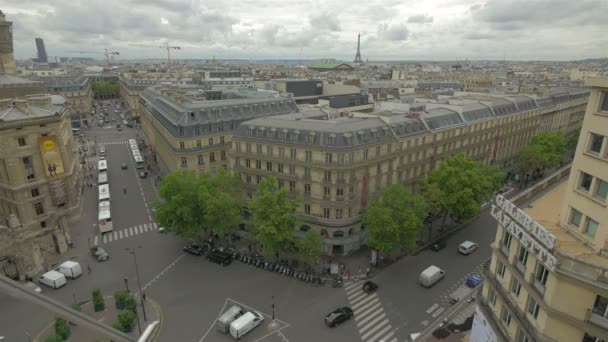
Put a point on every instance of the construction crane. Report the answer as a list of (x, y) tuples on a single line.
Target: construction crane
[(166, 46), (105, 52)]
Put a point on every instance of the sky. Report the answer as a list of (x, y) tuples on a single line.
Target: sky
[(284, 29)]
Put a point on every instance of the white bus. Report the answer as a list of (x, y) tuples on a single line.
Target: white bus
[(104, 192), (102, 165), (102, 178), (132, 142), (136, 153), (133, 147), (105, 218), (139, 162), (102, 151)]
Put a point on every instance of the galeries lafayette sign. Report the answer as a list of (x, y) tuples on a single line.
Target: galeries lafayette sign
[(534, 237)]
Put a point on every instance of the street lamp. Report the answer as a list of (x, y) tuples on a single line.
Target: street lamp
[(273, 325), (132, 251)]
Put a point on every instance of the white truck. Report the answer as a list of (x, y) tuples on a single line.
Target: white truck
[(53, 279), (70, 269)]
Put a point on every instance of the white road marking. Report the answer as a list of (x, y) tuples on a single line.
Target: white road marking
[(115, 236), (120, 234), (145, 227), (356, 311), (154, 225), (357, 297), (374, 321), (389, 335), (373, 296), (349, 286), (352, 290), (429, 310), (363, 314), (374, 329), (131, 230), (438, 312), (425, 323), (368, 317), (380, 333), (96, 240)]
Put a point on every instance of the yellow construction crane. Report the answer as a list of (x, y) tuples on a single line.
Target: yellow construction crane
[(105, 52), (166, 46)]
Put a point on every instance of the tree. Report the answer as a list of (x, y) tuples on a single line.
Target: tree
[(124, 321), (465, 184), (394, 220), (62, 329), (310, 247), (179, 208), (104, 88), (273, 217), (531, 158), (552, 145), (222, 202), (98, 303), (435, 205)]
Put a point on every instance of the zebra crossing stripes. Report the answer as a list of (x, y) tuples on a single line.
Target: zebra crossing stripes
[(114, 142), (128, 232), (370, 317)]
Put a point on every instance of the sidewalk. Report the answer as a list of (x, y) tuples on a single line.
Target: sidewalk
[(107, 317)]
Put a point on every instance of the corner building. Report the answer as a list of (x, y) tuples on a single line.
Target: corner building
[(548, 276), (337, 165)]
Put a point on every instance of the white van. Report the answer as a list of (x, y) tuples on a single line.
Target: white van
[(223, 323), (52, 279), (70, 269), (245, 324), (431, 276)]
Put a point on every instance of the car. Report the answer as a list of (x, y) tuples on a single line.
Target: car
[(99, 254), (31, 286), (467, 247), (162, 230), (438, 245), (119, 127), (143, 174), (338, 316), (194, 249), (123, 166), (220, 257), (369, 287)]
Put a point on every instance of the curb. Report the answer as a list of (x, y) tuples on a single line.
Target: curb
[(157, 331)]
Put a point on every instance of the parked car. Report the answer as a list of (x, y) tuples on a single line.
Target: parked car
[(123, 166), (194, 249), (338, 316), (219, 257), (369, 287), (467, 247), (99, 253), (438, 245)]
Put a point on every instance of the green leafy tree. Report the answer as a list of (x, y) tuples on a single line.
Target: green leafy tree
[(273, 217), (310, 248), (434, 199), (465, 184), (104, 88), (54, 338), (222, 202), (124, 321), (62, 329), (552, 145), (531, 157), (98, 302), (179, 208), (394, 220)]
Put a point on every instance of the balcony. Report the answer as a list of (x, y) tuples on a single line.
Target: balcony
[(329, 222), (599, 320)]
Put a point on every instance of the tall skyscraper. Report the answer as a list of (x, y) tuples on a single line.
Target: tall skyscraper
[(7, 60), (42, 57)]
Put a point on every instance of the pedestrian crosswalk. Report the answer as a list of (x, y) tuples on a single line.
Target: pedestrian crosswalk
[(126, 232), (372, 323), (114, 142)]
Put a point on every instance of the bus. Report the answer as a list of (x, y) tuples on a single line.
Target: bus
[(104, 217), (104, 192), (133, 147), (102, 165), (102, 151), (132, 142), (136, 153), (139, 162), (102, 178)]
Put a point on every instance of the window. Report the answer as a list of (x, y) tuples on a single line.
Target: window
[(340, 192), (21, 141), (258, 164), (307, 172), (533, 308), (29, 169), (223, 155), (492, 297), (248, 163), (269, 166), (601, 190), (35, 192), (308, 155), (38, 208), (292, 170), (212, 157), (258, 148), (576, 217), (325, 212), (327, 176), (292, 186), (596, 143), (182, 145), (350, 212), (258, 179), (307, 189), (522, 256), (328, 158), (248, 147), (281, 152), (378, 151), (269, 150), (280, 168), (184, 162), (585, 183), (591, 227), (506, 240), (307, 209), (600, 307), (201, 159), (604, 102), (500, 269), (326, 191), (542, 273), (222, 140), (281, 183), (365, 153), (248, 179), (506, 317), (237, 161), (515, 287), (199, 145), (292, 154), (339, 213), (210, 141)]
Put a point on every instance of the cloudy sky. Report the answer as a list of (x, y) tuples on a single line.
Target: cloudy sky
[(276, 29)]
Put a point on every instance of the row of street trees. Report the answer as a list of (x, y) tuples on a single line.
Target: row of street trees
[(544, 150), (456, 189), (104, 89)]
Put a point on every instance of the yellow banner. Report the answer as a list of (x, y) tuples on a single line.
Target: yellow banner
[(53, 163)]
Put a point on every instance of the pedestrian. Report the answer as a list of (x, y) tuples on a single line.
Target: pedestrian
[(249, 247), (89, 269), (143, 294)]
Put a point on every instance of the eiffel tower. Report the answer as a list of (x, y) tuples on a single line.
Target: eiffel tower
[(358, 55)]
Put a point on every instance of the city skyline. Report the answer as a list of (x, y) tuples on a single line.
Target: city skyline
[(390, 30)]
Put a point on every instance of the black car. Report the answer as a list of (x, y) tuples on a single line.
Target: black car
[(438, 245), (194, 250), (220, 257), (338, 316), (369, 287)]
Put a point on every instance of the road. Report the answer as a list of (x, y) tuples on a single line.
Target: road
[(193, 291)]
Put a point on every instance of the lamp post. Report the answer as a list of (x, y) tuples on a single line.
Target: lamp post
[(143, 306), (127, 283), (273, 325)]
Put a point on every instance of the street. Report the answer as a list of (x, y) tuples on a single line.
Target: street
[(194, 292)]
